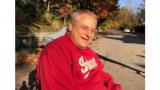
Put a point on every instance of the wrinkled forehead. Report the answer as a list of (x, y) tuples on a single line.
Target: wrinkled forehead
[(84, 18), (80, 16)]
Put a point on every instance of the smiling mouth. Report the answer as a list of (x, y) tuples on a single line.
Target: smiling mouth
[(86, 39)]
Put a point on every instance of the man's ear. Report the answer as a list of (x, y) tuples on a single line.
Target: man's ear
[(70, 27)]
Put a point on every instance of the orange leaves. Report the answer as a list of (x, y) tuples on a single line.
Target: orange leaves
[(102, 14), (65, 10), (102, 10)]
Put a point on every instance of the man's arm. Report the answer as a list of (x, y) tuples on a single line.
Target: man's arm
[(108, 80), (54, 71)]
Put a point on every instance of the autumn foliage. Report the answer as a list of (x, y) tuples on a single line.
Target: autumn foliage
[(65, 10)]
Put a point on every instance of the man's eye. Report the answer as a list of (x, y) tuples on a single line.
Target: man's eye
[(84, 28), (92, 30)]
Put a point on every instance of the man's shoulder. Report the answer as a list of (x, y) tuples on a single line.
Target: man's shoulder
[(92, 51)]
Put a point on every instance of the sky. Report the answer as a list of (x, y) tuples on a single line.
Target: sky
[(132, 4)]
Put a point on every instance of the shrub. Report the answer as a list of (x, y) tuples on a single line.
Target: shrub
[(48, 18), (109, 24), (57, 23), (112, 25)]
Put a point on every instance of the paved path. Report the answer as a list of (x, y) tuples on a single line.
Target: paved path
[(128, 51)]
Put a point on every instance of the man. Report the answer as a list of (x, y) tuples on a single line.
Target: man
[(67, 63)]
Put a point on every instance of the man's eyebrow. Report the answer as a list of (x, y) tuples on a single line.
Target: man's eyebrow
[(85, 26), (88, 27)]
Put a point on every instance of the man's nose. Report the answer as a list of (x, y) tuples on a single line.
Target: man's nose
[(89, 33)]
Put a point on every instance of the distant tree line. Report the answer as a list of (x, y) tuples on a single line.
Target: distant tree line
[(109, 14)]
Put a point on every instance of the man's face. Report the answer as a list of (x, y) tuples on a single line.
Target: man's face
[(82, 30)]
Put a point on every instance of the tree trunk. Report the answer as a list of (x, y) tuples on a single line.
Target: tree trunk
[(64, 22), (44, 9), (48, 6)]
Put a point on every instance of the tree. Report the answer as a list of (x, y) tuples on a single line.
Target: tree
[(63, 8), (140, 18), (141, 15), (65, 11), (126, 18)]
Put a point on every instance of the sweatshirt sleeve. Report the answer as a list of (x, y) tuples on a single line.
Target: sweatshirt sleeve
[(109, 83), (108, 80), (54, 71)]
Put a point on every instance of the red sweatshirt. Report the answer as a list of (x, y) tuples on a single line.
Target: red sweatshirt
[(63, 66)]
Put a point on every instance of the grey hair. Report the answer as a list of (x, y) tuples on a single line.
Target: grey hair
[(77, 13)]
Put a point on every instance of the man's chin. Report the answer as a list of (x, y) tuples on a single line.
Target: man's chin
[(84, 46)]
